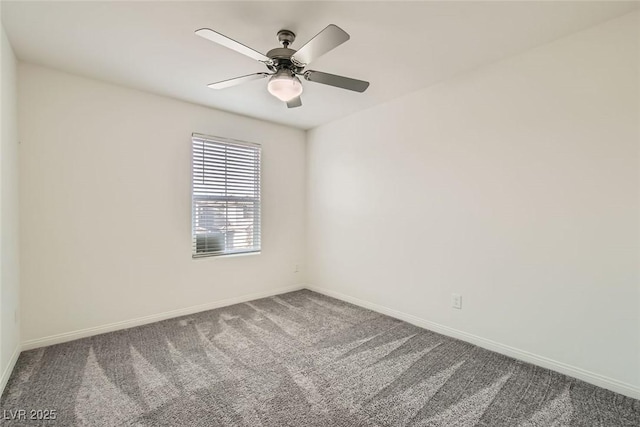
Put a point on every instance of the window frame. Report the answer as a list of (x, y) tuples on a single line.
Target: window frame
[(257, 221)]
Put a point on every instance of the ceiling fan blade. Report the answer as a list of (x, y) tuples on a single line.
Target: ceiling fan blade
[(237, 80), (337, 81), (329, 38), (295, 102), (231, 44)]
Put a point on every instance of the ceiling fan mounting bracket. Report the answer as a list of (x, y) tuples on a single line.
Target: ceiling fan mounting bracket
[(286, 37)]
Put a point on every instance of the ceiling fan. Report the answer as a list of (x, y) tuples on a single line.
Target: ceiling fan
[(286, 64)]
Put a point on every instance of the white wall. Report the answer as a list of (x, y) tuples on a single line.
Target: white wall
[(515, 185), (9, 252), (105, 201)]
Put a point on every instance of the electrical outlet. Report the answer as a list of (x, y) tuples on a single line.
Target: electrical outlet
[(456, 301), (296, 269)]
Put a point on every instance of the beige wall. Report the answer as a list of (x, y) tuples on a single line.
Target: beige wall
[(9, 218), (106, 215), (515, 185)]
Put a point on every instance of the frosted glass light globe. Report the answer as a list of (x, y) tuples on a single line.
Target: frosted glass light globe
[(284, 86)]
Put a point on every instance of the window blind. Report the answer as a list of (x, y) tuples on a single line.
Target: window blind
[(225, 196)]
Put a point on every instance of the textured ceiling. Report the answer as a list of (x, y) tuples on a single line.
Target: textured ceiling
[(399, 47)]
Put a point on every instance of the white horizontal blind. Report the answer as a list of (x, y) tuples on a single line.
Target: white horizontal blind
[(225, 196)]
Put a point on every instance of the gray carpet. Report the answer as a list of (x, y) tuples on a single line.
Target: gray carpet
[(298, 359)]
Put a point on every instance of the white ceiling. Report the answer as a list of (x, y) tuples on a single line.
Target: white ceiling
[(399, 47)]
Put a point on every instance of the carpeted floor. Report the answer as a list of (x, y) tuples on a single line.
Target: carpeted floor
[(298, 359)]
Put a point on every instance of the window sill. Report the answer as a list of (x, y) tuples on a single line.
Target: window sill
[(231, 255)]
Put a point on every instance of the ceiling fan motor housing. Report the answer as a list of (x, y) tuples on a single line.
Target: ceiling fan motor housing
[(281, 56)]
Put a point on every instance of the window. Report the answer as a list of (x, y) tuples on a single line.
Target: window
[(225, 196)]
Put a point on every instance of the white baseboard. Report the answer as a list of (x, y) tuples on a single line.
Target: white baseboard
[(126, 324), (7, 371), (572, 371)]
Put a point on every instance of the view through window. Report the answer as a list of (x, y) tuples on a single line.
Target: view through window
[(225, 196)]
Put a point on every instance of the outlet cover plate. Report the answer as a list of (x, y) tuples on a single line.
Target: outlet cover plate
[(456, 301)]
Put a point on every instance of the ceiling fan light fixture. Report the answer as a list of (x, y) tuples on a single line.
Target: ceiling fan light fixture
[(284, 86), (285, 64)]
